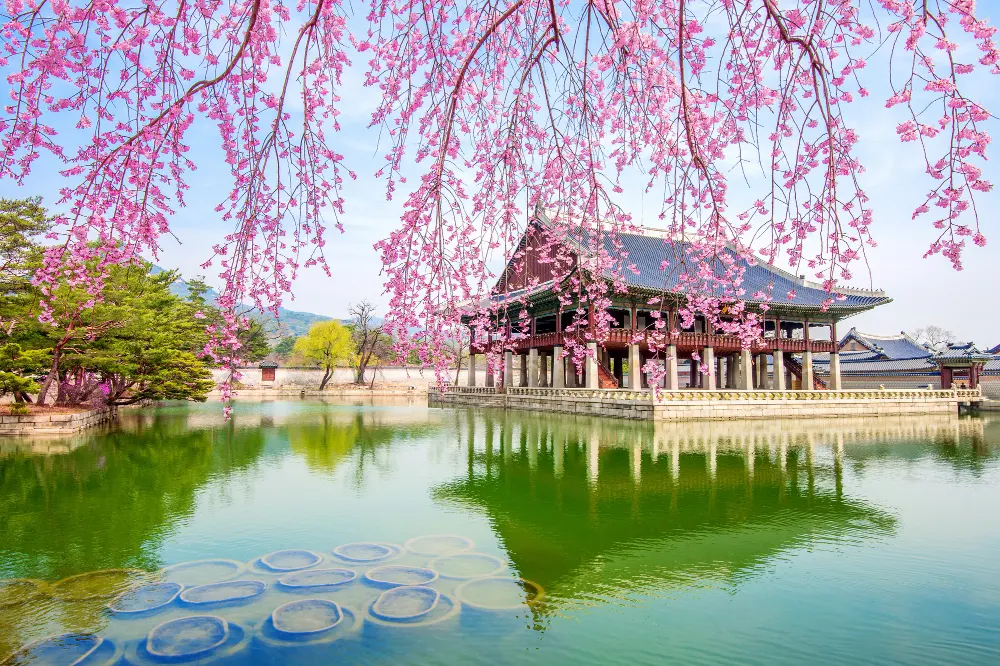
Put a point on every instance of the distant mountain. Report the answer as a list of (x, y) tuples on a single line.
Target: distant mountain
[(289, 322)]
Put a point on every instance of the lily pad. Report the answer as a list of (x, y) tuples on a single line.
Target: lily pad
[(318, 578), (61, 649), (307, 616), (364, 551), (17, 591), (187, 637), (221, 593), (438, 544), (146, 598), (102, 584), (395, 575), (405, 603), (202, 572), (464, 566), (499, 593), (291, 560)]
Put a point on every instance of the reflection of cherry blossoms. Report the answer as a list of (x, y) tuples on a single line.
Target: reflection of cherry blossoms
[(505, 107)]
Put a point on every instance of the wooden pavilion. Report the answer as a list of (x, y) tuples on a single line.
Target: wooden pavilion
[(796, 324)]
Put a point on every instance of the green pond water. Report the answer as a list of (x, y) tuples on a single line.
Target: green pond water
[(538, 538)]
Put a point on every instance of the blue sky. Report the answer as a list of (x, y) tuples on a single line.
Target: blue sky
[(925, 291)]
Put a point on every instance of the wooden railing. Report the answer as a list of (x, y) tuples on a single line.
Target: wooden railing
[(618, 338)]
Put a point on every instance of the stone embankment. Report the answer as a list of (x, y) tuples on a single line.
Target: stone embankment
[(709, 405), (54, 424)]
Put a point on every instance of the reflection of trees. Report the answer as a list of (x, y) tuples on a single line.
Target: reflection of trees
[(591, 508), (108, 504), (329, 440)]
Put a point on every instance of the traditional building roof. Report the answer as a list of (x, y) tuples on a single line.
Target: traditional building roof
[(994, 350), (963, 352), (891, 347), (648, 248), (877, 366)]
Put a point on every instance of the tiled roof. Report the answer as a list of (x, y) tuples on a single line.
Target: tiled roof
[(993, 367), (647, 253), (907, 366), (894, 347), (964, 351), (995, 350)]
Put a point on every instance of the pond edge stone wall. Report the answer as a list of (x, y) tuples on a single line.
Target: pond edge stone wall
[(703, 405), (54, 424)]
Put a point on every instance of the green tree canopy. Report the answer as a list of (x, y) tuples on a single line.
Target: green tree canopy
[(22, 223), (327, 344)]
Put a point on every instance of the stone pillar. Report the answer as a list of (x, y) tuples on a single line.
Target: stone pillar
[(764, 382), (708, 357), (834, 372), (732, 371), (508, 368), (779, 370), (634, 368), (746, 371), (523, 378), (558, 368), (671, 378), (532, 367), (591, 366), (719, 376), (543, 375), (471, 378), (490, 381), (807, 371)]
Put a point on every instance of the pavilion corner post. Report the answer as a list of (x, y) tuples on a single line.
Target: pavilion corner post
[(634, 368), (779, 370), (708, 358), (558, 368), (532, 367), (834, 371), (807, 371), (673, 383), (591, 366), (746, 370), (508, 368)]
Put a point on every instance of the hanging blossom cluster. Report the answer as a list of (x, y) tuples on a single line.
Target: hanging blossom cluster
[(141, 81), (501, 108), (558, 104)]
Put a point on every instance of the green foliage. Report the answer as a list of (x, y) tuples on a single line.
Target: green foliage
[(327, 344), (22, 222), (147, 343), (18, 408), (255, 341), (14, 364), (285, 346)]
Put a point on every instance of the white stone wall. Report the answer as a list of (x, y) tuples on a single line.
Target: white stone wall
[(309, 378), (991, 387)]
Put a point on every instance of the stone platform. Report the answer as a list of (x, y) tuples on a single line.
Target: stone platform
[(693, 405), (54, 424)]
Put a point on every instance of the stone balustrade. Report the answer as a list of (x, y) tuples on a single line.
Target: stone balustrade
[(708, 405)]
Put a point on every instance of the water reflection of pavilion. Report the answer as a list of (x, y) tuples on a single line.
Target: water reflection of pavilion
[(596, 509)]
